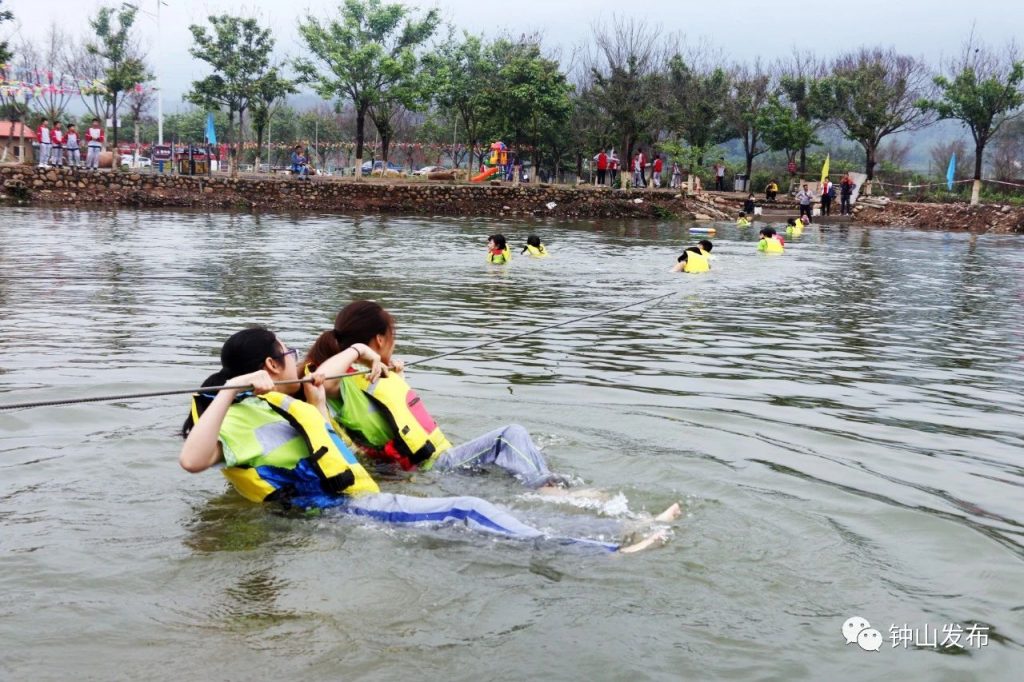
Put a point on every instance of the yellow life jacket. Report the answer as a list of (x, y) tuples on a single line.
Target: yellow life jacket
[(278, 448), (742, 222), (537, 251), (795, 230), (772, 245), (696, 262), (390, 418), (500, 258)]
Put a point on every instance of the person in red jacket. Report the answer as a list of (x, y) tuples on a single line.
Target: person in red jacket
[(602, 166), (658, 166), (57, 145), (94, 139)]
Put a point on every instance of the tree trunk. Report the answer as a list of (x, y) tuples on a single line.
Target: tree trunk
[(869, 165), (803, 161), (115, 162), (979, 157), (976, 193), (239, 143), (259, 148), (385, 143), (360, 132), (579, 166)]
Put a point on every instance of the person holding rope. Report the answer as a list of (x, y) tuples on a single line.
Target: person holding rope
[(280, 448), (388, 421)]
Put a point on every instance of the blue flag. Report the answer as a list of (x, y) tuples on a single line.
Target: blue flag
[(951, 172), (211, 134)]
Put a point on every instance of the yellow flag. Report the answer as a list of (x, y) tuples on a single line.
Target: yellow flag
[(824, 169)]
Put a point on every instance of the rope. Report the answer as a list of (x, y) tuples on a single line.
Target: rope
[(210, 389)]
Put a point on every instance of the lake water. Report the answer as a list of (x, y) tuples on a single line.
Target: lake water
[(843, 425)]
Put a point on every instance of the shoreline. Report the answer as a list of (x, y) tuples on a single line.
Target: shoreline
[(21, 185)]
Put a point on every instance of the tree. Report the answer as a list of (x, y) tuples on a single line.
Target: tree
[(369, 52), (139, 100), (269, 89), (871, 94), (121, 70), (983, 91), (55, 92), (238, 50), (460, 75), (941, 153), (5, 53), (696, 104), (627, 87), (799, 73), (783, 129), (748, 96), (531, 95)]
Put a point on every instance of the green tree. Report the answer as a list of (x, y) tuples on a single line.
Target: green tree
[(748, 96), (5, 53), (122, 70), (872, 94), (799, 73), (983, 91), (367, 55), (461, 75), (238, 50), (627, 85), (531, 96), (270, 89), (696, 106), (783, 129)]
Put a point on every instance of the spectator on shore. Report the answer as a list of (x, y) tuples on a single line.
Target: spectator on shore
[(677, 176), (57, 145), (300, 164), (720, 174), (771, 190), (805, 199), (656, 169), (94, 138), (43, 136), (846, 187), (602, 166), (613, 167), (71, 147), (748, 205), (828, 193), (638, 165)]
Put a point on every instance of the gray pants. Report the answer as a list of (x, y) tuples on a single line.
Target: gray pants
[(44, 153), (56, 155), (509, 448), (474, 512), (74, 157), (93, 158)]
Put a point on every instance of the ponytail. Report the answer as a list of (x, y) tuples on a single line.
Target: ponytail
[(358, 322)]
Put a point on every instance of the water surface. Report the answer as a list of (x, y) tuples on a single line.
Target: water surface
[(842, 424)]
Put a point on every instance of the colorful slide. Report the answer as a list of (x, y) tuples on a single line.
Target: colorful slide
[(486, 174)]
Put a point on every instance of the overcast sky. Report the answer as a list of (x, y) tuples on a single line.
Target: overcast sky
[(744, 29)]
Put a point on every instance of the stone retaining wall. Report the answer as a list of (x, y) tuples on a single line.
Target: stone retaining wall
[(79, 187)]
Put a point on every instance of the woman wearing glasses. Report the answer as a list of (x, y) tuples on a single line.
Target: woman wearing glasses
[(279, 448)]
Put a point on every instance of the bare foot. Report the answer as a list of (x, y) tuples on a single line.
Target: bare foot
[(670, 514), (659, 537)]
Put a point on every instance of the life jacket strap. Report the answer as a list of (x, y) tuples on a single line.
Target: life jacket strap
[(331, 481)]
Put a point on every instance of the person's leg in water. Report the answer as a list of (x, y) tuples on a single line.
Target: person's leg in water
[(509, 448), (476, 513)]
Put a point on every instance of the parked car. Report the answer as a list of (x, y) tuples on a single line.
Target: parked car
[(427, 170), (379, 169), (132, 162)]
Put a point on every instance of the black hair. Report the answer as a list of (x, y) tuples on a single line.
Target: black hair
[(682, 258), (693, 249), (499, 241), (767, 231), (534, 241), (791, 221), (743, 214), (243, 352), (706, 245)]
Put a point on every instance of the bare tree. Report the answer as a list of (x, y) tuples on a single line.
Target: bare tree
[(894, 152), (626, 64), (55, 87), (941, 153), (139, 101)]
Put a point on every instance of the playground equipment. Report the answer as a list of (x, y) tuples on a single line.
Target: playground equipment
[(497, 162)]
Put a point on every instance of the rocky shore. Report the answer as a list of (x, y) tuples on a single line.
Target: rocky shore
[(409, 197), (23, 184)]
